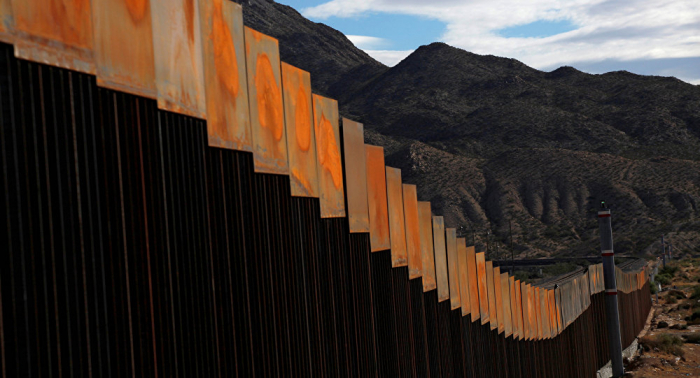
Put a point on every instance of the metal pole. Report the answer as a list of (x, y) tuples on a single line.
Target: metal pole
[(663, 251), (611, 309), (512, 254)]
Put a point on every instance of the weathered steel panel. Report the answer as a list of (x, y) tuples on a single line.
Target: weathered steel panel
[(7, 22), (376, 194), (426, 245), (226, 83), (493, 315), (124, 46), (552, 304), (525, 308), (355, 168), (483, 289), (453, 266), (441, 278), (464, 298), (413, 243), (513, 306), (518, 313), (532, 312), (507, 302), (498, 299), (55, 32), (544, 308), (538, 313), (397, 225), (473, 279), (177, 47), (330, 169), (266, 108), (301, 138)]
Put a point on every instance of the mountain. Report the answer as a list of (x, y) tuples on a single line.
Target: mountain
[(495, 144)]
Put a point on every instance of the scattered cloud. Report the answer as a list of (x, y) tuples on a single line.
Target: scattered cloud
[(368, 43), (389, 57), (631, 30)]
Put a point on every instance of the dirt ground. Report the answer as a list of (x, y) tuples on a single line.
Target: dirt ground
[(672, 349)]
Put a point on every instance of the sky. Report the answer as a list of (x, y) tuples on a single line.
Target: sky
[(649, 37)]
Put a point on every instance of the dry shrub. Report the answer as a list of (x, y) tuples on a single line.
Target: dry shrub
[(664, 342)]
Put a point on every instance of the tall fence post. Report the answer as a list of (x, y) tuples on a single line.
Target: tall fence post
[(611, 310), (663, 251)]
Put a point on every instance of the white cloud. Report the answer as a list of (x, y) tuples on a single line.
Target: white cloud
[(389, 57), (366, 42), (607, 29)]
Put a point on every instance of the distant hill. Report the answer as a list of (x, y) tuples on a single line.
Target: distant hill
[(489, 139)]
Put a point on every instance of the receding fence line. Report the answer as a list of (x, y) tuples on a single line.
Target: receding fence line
[(178, 202)]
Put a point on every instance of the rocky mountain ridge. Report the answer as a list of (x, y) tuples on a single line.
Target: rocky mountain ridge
[(493, 143)]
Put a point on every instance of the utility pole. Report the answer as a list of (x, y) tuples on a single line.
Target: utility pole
[(512, 254), (611, 306), (663, 251)]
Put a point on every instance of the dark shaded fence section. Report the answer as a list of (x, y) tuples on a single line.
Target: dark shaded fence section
[(134, 249)]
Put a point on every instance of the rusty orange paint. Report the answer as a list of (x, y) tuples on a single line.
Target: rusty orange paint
[(330, 169), (463, 270), (513, 306), (473, 277), (557, 301), (394, 193), (525, 318), (506, 302), (413, 243), (301, 138), (124, 46), (441, 278), (452, 266), (538, 313), (552, 314), (425, 225), (379, 236), (225, 77), (544, 311), (483, 289), (55, 32), (531, 322), (520, 313), (7, 22), (491, 292), (356, 168), (177, 48), (267, 119), (498, 299)]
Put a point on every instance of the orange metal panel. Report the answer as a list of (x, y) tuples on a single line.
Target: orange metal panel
[(226, 83), (330, 169), (498, 299), (514, 306), (524, 297), (453, 266), (546, 328), (301, 138), (532, 312), (356, 169), (554, 328), (463, 276), (473, 278), (539, 304), (397, 226), (507, 301), (483, 289), (177, 47), (265, 98), (493, 315), (440, 259), (7, 22), (376, 193), (413, 243), (55, 32), (124, 46), (557, 302), (426, 245)]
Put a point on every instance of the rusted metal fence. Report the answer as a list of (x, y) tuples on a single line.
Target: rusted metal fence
[(261, 239)]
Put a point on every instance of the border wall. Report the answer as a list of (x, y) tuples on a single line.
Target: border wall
[(179, 203)]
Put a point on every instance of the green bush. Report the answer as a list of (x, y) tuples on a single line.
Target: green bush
[(663, 279), (692, 338), (664, 342), (696, 292), (653, 287)]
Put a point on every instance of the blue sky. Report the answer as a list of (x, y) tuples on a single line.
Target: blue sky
[(652, 37)]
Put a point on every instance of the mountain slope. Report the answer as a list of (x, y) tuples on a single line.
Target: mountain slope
[(490, 140)]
